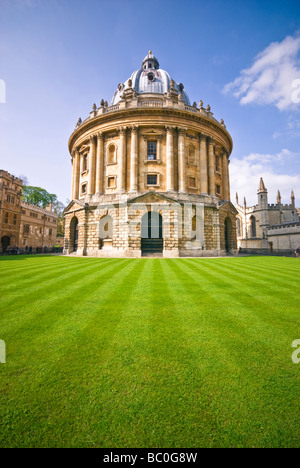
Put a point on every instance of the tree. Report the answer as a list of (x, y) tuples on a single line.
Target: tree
[(38, 196)]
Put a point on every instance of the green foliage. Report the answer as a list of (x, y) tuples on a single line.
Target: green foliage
[(38, 196), (149, 352)]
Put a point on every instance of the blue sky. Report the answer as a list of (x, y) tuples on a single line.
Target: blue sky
[(58, 57)]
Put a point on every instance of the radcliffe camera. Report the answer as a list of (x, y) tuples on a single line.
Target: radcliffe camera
[(149, 228)]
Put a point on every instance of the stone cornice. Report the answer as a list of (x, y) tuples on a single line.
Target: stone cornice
[(129, 115)]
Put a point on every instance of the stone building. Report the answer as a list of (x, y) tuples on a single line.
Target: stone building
[(150, 173), (38, 227), (10, 210), (23, 225), (268, 228)]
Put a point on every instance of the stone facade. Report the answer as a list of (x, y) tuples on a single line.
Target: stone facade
[(268, 228), (150, 151), (10, 210), (22, 225), (38, 227)]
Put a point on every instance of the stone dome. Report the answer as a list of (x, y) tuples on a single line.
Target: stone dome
[(149, 79)]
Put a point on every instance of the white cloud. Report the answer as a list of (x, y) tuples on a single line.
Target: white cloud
[(270, 79), (245, 174)]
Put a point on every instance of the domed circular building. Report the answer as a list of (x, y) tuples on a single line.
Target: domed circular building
[(150, 174)]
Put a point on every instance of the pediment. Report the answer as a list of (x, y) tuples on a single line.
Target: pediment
[(152, 133), (227, 205), (152, 197), (74, 205)]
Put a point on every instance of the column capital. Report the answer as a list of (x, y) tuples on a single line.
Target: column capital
[(91, 140), (134, 128), (225, 153), (100, 136), (122, 130), (182, 131), (211, 141), (170, 129), (202, 136)]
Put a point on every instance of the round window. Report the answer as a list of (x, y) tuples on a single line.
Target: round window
[(151, 76)]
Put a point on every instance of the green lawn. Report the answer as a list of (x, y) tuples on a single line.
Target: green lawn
[(149, 352)]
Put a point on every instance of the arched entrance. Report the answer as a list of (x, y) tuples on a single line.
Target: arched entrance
[(5, 242), (152, 233), (74, 234), (227, 233)]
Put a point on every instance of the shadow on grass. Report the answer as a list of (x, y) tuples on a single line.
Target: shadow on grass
[(27, 257)]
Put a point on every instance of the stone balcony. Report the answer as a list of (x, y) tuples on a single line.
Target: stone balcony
[(150, 101)]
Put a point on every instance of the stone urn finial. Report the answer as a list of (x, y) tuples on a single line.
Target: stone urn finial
[(208, 108), (200, 103)]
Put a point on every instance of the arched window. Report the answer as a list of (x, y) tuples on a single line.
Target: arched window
[(111, 156), (253, 226)]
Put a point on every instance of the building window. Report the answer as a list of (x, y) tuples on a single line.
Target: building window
[(192, 182), (8, 199), (111, 156), (50, 232), (218, 189), (151, 179), (217, 163), (15, 219), (26, 229), (253, 226), (85, 162), (33, 215), (6, 218), (83, 189), (191, 154), (151, 150), (111, 182)]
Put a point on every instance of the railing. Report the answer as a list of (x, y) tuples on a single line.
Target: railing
[(112, 108), (150, 104)]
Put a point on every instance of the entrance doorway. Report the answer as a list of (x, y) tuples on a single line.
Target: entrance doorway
[(227, 230), (5, 242), (74, 234), (152, 233)]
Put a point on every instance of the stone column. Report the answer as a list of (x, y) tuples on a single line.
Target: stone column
[(122, 160), (181, 161), (92, 166), (225, 177), (134, 160), (73, 176), (100, 164), (158, 148), (170, 159), (211, 166), (203, 164), (76, 168), (228, 178)]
